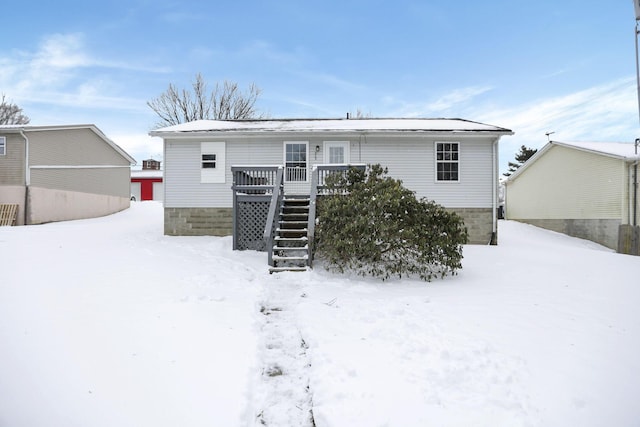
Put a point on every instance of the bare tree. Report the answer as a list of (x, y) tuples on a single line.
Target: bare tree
[(224, 102), (11, 114), (359, 114)]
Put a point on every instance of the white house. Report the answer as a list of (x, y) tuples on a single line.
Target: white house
[(450, 161), (583, 189)]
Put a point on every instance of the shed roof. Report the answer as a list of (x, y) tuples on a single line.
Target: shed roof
[(93, 128), (148, 173), (332, 125), (620, 150)]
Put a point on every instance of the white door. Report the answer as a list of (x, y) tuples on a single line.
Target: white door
[(336, 152), (158, 191), (135, 191)]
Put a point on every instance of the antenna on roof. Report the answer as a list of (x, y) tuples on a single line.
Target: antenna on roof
[(549, 133)]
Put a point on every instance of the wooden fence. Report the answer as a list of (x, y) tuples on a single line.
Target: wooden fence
[(8, 213)]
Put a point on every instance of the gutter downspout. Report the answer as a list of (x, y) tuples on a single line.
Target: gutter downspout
[(494, 194), (635, 187), (27, 175), (634, 203)]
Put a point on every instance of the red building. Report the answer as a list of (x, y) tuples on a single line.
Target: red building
[(146, 184)]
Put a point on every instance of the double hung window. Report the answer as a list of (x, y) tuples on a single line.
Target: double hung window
[(447, 161), (295, 157), (3, 145)]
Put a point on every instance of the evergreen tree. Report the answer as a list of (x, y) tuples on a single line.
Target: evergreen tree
[(371, 224), (522, 156)]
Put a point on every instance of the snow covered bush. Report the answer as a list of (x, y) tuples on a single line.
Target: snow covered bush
[(371, 224)]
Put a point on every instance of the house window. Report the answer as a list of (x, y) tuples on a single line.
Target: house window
[(208, 161), (295, 159), (3, 145), (212, 162), (447, 161)]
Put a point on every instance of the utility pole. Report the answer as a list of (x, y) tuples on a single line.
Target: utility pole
[(636, 5)]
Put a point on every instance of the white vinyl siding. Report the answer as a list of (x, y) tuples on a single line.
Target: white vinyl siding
[(183, 179), (412, 160), (566, 183), (409, 158)]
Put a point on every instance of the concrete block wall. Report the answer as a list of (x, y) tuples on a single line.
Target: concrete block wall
[(198, 221), (479, 223), (602, 231)]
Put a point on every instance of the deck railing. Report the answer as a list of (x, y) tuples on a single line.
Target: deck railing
[(296, 174), (254, 179), (257, 187), (276, 199)]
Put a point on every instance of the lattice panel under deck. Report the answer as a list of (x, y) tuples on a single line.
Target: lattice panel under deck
[(251, 219)]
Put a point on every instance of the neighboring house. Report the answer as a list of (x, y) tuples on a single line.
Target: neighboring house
[(450, 161), (57, 173), (583, 189), (146, 184)]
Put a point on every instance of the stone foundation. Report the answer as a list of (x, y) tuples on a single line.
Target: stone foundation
[(629, 239), (198, 221), (219, 222), (479, 223)]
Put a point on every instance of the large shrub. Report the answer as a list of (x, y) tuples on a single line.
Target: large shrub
[(369, 223)]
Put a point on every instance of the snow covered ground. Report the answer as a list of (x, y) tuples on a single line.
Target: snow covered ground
[(106, 322)]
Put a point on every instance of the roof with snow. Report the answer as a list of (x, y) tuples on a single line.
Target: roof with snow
[(93, 128), (620, 150), (148, 173), (333, 125)]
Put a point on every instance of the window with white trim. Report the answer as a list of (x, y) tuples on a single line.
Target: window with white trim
[(3, 145), (295, 160), (447, 161), (212, 162)]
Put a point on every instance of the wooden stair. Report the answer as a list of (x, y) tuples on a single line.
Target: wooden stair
[(290, 250)]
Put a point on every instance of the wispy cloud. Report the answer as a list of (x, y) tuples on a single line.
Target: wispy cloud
[(447, 104), (607, 112), (456, 97), (62, 71)]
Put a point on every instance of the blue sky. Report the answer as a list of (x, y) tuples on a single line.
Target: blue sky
[(534, 67)]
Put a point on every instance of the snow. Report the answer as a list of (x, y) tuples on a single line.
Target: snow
[(149, 173), (327, 125), (107, 322), (617, 149)]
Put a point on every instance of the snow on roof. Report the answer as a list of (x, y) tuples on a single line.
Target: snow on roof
[(93, 128), (615, 149), (328, 125), (619, 150), (148, 173)]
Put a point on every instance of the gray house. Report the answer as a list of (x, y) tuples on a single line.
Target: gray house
[(450, 161), (57, 173)]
